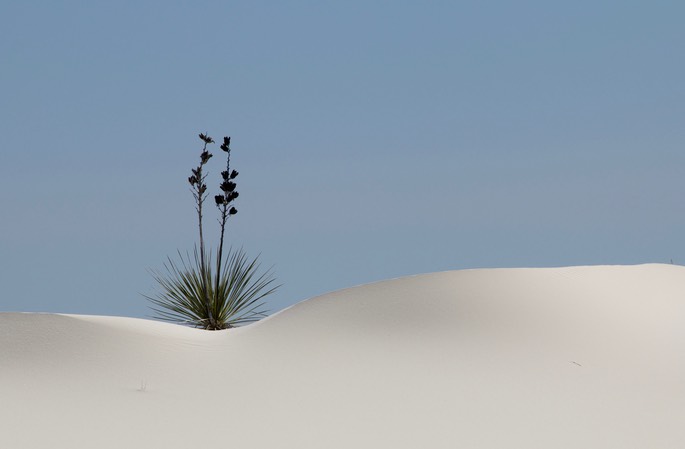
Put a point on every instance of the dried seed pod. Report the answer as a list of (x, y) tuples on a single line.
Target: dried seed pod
[(233, 211), (228, 186), (226, 146), (234, 174), (224, 174), (206, 138), (219, 199)]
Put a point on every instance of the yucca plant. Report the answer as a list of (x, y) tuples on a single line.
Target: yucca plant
[(195, 291), (234, 296)]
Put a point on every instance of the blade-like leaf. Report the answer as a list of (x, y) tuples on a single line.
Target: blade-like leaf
[(237, 297)]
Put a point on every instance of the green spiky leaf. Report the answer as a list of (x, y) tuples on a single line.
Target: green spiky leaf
[(234, 300)]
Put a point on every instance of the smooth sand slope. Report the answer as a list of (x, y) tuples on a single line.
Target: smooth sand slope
[(584, 357)]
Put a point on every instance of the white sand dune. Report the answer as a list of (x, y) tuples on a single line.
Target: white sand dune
[(583, 357)]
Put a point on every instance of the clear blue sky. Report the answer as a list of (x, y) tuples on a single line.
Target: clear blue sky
[(374, 139)]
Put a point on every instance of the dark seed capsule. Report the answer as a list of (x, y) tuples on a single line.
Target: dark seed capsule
[(233, 211), (205, 156), (224, 174), (227, 186), (192, 180), (234, 174), (219, 199)]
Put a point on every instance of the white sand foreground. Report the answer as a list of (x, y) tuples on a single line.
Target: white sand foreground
[(581, 357)]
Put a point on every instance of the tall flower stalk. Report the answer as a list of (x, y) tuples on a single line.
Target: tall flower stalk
[(191, 291), (224, 200), (199, 189)]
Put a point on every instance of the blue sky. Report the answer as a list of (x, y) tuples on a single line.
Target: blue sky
[(374, 139)]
